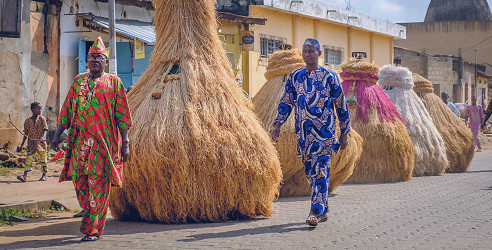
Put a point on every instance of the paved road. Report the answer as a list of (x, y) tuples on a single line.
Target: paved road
[(453, 211)]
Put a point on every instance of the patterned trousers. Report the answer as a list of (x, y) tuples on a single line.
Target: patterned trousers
[(93, 195), (317, 173), (31, 156)]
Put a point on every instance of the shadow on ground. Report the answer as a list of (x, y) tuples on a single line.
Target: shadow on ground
[(284, 228)]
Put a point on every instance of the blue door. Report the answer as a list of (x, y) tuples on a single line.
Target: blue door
[(82, 58), (124, 60)]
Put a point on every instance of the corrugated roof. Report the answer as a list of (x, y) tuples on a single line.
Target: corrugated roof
[(143, 31)]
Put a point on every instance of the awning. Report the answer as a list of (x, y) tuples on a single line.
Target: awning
[(142, 31)]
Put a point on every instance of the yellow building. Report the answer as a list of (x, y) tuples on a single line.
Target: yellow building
[(483, 90), (340, 31)]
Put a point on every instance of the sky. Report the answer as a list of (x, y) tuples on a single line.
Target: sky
[(396, 11)]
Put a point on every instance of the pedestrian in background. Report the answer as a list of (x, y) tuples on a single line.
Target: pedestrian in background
[(445, 97), (35, 130), (474, 112)]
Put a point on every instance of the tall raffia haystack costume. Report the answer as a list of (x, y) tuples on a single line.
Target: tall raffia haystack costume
[(387, 154), (280, 65), (199, 152), (457, 137), (430, 151)]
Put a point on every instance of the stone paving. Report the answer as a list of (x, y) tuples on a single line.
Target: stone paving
[(452, 211)]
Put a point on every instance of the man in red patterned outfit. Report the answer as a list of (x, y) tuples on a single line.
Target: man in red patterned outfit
[(96, 114)]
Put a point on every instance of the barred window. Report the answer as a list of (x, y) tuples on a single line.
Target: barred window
[(333, 56), (10, 18), (270, 44)]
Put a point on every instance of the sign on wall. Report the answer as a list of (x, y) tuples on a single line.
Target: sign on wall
[(247, 40), (139, 49)]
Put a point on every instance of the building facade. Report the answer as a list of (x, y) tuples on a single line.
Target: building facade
[(449, 74), (340, 31)]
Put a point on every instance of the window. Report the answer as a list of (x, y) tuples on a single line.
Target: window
[(270, 44), (10, 18), (333, 56)]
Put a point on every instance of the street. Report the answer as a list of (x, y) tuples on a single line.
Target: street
[(453, 211)]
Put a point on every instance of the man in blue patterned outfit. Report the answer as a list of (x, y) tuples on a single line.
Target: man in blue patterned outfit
[(314, 92)]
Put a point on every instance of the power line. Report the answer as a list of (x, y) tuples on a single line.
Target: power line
[(476, 44)]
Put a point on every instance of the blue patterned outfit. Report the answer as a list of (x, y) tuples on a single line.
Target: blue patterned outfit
[(315, 95)]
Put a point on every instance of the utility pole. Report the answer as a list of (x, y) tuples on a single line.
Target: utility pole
[(112, 38), (476, 75)]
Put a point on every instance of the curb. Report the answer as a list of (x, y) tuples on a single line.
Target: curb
[(35, 205)]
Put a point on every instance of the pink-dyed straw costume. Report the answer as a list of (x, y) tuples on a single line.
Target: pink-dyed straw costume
[(388, 152)]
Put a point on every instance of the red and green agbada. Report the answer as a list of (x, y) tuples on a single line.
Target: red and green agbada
[(95, 111)]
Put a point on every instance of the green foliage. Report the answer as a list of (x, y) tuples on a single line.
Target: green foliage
[(8, 215)]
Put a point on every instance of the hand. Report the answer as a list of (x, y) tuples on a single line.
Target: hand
[(125, 151), (343, 141), (54, 144), (275, 131)]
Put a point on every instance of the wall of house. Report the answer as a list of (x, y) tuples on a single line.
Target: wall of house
[(44, 60), (295, 28), (15, 90), (449, 38), (382, 50), (440, 71)]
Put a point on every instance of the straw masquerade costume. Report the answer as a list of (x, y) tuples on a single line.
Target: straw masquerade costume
[(430, 151), (387, 154), (199, 152), (95, 111), (314, 96), (457, 137), (280, 65)]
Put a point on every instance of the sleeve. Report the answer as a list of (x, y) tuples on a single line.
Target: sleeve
[(287, 101), (45, 124), (121, 110), (455, 110), (340, 104), (66, 112), (467, 113)]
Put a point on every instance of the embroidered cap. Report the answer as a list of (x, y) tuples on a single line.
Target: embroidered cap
[(312, 42), (98, 47)]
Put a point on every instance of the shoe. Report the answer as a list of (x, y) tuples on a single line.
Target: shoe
[(21, 178), (79, 214), (323, 217), (479, 150), (43, 178), (90, 238), (312, 219)]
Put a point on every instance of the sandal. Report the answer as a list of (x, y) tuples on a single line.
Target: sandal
[(312, 219), (90, 238), (323, 217), (79, 214)]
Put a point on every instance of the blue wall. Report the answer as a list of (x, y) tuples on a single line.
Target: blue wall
[(124, 60)]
